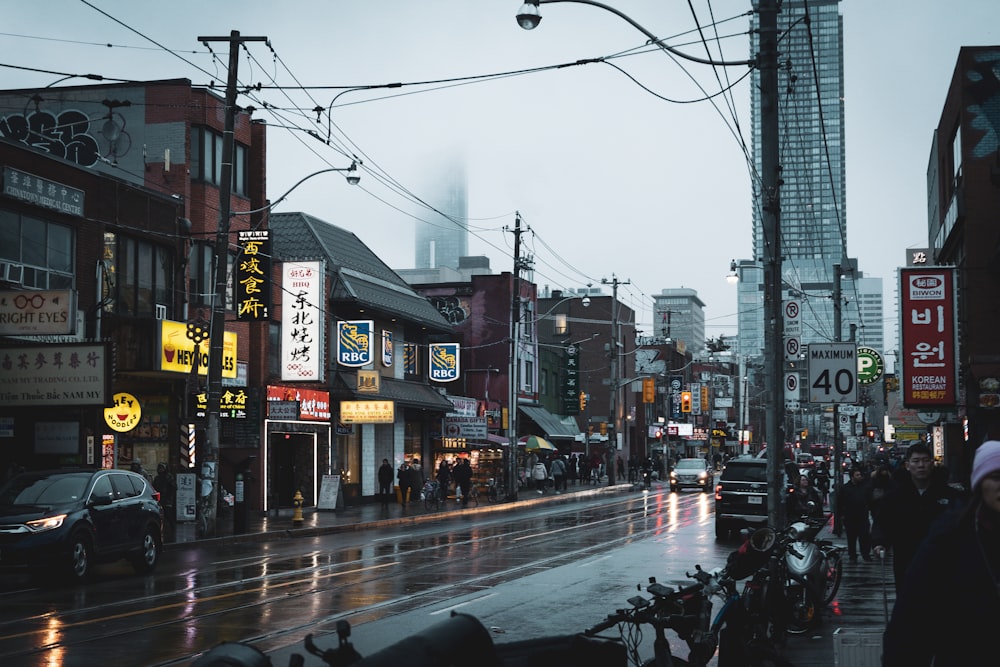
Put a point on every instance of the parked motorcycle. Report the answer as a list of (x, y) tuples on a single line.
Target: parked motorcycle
[(811, 571)]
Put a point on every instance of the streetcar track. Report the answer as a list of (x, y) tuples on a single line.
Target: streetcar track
[(196, 597)]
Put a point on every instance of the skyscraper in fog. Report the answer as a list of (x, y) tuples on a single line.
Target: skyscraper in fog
[(812, 217), (443, 236)]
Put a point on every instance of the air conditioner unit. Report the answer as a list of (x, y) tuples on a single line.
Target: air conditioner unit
[(11, 272), (161, 311)]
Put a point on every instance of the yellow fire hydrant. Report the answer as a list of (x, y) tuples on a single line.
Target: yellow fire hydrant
[(297, 504)]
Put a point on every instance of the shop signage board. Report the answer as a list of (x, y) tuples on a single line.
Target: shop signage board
[(303, 357), (178, 351), (329, 490), (470, 428), (927, 341), (38, 313), (253, 274), (870, 366), (367, 412), (58, 374)]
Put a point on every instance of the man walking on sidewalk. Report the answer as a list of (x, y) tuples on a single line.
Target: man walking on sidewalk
[(854, 506)]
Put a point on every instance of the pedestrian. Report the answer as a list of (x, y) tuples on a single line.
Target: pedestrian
[(621, 468), (416, 478), (572, 469), (529, 468), (948, 605), (881, 482), (920, 496), (584, 466), (167, 488), (384, 482), (539, 474), (463, 479), (444, 477), (558, 472), (405, 478), (854, 506), (137, 468), (798, 505)]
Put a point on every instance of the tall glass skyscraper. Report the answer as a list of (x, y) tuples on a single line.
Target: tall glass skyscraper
[(813, 215), (441, 238)]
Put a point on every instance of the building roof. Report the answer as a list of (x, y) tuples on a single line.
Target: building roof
[(405, 393), (554, 428), (359, 276)]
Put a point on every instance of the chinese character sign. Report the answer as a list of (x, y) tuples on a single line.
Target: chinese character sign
[(355, 340), (444, 362), (302, 321), (927, 309), (253, 275)]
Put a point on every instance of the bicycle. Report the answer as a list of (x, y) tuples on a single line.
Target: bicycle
[(493, 494), (432, 494)]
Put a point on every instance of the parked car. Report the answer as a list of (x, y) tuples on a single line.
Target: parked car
[(691, 473), (64, 522), (741, 495)]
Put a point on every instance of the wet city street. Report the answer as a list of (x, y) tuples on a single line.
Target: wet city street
[(534, 571)]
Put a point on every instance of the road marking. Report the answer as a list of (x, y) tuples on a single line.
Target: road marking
[(462, 604)]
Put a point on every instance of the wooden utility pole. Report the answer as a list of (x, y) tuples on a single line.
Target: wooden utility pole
[(208, 460)]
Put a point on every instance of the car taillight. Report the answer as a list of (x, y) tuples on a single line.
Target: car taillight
[(156, 496), (718, 492)]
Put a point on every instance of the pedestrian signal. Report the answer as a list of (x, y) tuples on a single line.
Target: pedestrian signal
[(648, 390), (583, 401)]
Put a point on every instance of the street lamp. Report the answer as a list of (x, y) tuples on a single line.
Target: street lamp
[(529, 16), (732, 277)]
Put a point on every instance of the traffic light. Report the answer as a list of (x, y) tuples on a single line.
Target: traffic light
[(685, 401), (648, 390), (583, 401)]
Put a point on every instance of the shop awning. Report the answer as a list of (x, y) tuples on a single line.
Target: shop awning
[(405, 393), (554, 428)]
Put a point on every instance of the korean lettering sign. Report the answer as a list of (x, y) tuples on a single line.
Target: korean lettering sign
[(253, 275), (927, 309)]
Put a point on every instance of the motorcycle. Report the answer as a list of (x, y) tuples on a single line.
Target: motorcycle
[(647, 478), (811, 571)]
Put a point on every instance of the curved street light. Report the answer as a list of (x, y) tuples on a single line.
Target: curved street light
[(529, 16), (352, 177)]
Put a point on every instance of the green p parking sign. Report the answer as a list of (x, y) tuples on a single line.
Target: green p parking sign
[(870, 366)]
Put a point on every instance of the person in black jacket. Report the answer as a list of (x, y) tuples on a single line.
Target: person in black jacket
[(797, 505), (463, 479), (385, 482), (947, 610), (854, 506), (920, 496)]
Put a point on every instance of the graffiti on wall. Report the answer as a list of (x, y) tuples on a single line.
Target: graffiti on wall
[(451, 308), (65, 135)]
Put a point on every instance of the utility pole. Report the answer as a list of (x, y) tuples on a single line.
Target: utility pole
[(209, 458), (838, 479), (615, 373), (767, 62), (513, 380)]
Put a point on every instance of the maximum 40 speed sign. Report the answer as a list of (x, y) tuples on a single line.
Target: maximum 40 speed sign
[(833, 370)]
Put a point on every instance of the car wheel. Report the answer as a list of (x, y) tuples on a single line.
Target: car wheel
[(81, 556), (148, 556)]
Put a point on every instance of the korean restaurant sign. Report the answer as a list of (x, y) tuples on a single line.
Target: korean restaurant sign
[(55, 374), (367, 412), (178, 352), (927, 310), (302, 350), (253, 274)]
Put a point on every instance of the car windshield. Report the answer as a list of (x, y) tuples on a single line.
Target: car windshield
[(697, 464), (44, 489)]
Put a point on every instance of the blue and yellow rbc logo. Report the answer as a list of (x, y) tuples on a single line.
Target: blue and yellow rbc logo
[(354, 342), (444, 364)]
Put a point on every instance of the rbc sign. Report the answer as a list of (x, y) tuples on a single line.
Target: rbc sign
[(354, 342), (444, 362)]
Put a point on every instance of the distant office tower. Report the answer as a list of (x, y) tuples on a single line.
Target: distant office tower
[(443, 237), (680, 315), (813, 217)]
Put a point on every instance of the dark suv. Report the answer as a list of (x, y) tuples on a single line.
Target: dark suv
[(741, 495), (68, 520)]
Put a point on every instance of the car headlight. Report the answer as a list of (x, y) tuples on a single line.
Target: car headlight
[(702, 475), (48, 523), (673, 473)]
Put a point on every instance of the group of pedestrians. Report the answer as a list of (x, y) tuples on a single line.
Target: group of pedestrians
[(410, 478), (945, 546)]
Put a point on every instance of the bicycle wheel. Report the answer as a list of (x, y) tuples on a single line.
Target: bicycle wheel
[(834, 573), (432, 501)]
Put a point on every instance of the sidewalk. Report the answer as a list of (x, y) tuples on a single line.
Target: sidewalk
[(851, 626)]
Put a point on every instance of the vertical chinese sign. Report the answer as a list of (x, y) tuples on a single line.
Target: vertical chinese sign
[(571, 380), (927, 310), (302, 352), (253, 275)]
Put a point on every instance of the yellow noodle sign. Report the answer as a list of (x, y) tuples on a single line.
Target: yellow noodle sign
[(177, 349)]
